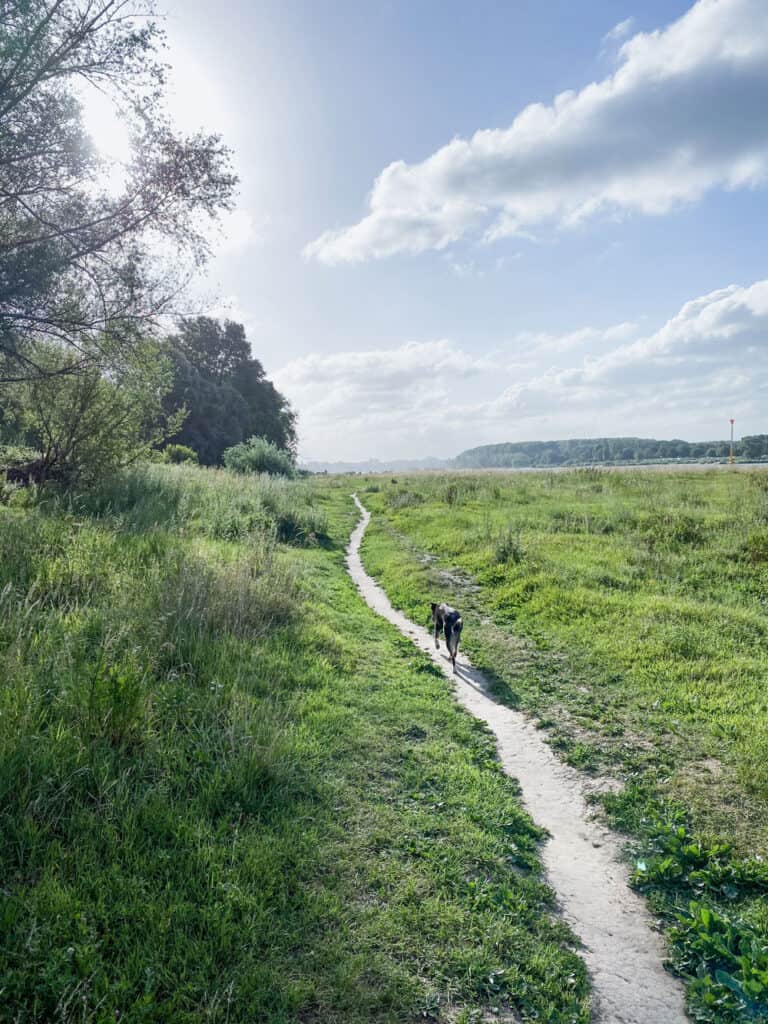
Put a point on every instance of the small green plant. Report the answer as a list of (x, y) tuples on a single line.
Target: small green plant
[(451, 494), (726, 962), (257, 455), (508, 548)]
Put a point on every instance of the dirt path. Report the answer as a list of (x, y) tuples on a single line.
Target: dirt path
[(622, 951)]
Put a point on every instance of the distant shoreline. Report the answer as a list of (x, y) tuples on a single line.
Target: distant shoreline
[(669, 466)]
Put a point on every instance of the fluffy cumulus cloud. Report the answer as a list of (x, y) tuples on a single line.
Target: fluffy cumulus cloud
[(707, 362), (354, 404), (712, 356), (683, 112)]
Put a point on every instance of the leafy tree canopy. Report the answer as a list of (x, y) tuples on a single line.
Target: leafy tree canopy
[(79, 261), (84, 422), (225, 391), (214, 349)]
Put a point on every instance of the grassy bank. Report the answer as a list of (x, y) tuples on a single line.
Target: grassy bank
[(228, 792), (627, 612)]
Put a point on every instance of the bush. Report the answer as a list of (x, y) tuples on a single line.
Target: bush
[(508, 548), (257, 455), (178, 453), (16, 455)]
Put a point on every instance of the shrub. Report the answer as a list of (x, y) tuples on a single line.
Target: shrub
[(16, 455), (257, 455), (177, 453)]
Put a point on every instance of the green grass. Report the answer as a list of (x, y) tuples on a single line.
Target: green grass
[(228, 792), (627, 611)]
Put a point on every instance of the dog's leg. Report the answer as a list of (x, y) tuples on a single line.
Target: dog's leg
[(437, 633), (453, 643)]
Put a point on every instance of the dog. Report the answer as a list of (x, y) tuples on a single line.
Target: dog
[(449, 620)]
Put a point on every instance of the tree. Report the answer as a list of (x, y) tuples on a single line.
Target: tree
[(79, 262), (178, 454), (216, 350), (85, 422), (225, 391), (269, 412), (214, 413)]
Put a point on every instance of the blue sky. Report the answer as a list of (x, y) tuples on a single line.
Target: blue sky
[(565, 278)]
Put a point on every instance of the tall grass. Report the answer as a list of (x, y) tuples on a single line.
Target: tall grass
[(138, 706), (212, 502)]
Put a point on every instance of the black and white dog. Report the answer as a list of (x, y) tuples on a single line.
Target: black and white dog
[(449, 620)]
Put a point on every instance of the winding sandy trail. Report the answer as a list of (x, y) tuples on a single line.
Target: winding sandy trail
[(622, 951)]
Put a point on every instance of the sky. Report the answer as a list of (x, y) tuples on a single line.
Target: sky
[(467, 223)]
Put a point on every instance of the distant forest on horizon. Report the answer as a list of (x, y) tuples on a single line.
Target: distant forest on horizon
[(606, 450)]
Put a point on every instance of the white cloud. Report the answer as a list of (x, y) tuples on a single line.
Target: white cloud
[(466, 268), (715, 350), (541, 341), (350, 401), (619, 32), (684, 112), (706, 363)]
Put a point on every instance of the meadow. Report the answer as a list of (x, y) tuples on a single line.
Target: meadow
[(228, 792), (626, 612)]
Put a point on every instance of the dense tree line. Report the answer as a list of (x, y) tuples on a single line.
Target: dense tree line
[(753, 447), (590, 451)]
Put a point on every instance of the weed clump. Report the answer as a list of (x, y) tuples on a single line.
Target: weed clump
[(403, 499), (508, 549), (721, 954)]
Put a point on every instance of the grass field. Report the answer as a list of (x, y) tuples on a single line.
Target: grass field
[(627, 612), (229, 793)]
